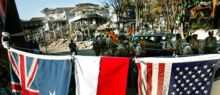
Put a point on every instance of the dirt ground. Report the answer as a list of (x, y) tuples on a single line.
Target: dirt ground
[(84, 48)]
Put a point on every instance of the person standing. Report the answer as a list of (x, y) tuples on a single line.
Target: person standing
[(73, 48), (96, 45), (168, 46), (187, 50), (179, 44), (210, 44), (195, 46), (138, 50), (36, 48)]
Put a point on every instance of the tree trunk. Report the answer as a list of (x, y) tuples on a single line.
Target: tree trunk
[(137, 17)]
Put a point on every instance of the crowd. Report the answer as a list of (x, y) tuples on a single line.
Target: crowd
[(125, 46)]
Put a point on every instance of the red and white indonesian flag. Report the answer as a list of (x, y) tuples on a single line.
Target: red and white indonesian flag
[(101, 75)]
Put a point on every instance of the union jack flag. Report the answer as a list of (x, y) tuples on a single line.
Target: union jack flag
[(25, 69)]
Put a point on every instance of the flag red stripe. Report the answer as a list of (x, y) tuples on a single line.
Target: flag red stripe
[(160, 78), (22, 70), (16, 87), (139, 79), (13, 62), (149, 78), (33, 74)]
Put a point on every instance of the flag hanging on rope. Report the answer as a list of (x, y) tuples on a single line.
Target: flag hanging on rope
[(39, 74), (177, 76), (101, 75)]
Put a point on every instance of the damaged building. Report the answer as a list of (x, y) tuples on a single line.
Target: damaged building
[(85, 17)]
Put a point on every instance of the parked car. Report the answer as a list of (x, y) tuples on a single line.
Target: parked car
[(153, 43)]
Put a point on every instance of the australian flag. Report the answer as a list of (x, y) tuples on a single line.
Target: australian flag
[(39, 74)]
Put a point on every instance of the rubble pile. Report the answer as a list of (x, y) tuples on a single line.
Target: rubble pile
[(60, 43), (84, 44)]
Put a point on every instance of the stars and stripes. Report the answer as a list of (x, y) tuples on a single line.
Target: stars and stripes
[(176, 76)]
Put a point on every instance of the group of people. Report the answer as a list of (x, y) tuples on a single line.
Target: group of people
[(194, 46), (106, 46), (124, 47)]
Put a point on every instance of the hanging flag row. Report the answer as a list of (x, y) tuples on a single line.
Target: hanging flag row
[(33, 74)]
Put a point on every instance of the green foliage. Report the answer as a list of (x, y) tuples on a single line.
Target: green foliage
[(197, 25)]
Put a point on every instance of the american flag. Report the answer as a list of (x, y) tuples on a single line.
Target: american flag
[(177, 76)]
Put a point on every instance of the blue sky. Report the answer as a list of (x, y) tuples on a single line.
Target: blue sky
[(32, 8)]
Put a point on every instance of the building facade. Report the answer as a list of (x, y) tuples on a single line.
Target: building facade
[(85, 17), (88, 17)]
